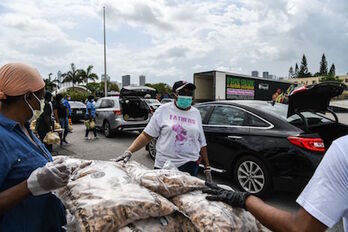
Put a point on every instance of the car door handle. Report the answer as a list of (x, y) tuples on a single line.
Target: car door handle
[(232, 137)]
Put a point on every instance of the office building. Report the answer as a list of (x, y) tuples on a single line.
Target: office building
[(142, 80), (126, 80), (255, 73)]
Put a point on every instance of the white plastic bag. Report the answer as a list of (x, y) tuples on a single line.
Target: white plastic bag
[(215, 216), (168, 183), (51, 138), (102, 197)]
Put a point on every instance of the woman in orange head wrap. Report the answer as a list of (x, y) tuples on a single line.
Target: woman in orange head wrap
[(27, 173)]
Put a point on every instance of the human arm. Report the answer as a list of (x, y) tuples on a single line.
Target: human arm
[(207, 168), (12, 196), (41, 181), (55, 111), (280, 220)]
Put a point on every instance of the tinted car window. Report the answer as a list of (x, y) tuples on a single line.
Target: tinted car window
[(256, 122), (223, 115), (204, 111), (77, 105), (107, 103)]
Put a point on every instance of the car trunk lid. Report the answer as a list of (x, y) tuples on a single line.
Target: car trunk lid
[(314, 98)]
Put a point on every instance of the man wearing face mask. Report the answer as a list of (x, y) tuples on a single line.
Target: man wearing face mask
[(27, 173), (178, 128)]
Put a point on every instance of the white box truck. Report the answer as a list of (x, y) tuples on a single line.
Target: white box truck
[(217, 85)]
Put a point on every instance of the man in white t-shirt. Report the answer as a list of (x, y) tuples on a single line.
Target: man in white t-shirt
[(178, 128), (324, 201)]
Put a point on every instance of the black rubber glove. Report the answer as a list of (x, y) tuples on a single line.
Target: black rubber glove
[(233, 198)]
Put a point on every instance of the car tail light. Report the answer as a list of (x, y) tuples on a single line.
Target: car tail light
[(117, 112), (311, 144)]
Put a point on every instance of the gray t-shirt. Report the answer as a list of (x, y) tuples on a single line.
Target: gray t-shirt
[(326, 195), (180, 135)]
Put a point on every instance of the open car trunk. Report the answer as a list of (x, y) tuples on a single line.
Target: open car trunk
[(316, 99), (133, 108)]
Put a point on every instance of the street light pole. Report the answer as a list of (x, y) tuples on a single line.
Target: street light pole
[(105, 76)]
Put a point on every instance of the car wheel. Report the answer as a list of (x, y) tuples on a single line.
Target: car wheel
[(252, 176), (152, 148), (107, 129)]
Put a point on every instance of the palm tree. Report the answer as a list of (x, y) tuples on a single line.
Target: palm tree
[(72, 76), (49, 84), (88, 75)]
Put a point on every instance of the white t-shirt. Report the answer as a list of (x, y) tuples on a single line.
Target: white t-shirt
[(180, 134), (326, 195)]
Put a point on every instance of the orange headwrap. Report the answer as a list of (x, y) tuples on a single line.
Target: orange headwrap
[(17, 79)]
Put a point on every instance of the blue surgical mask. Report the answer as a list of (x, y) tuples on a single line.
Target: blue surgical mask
[(184, 102)]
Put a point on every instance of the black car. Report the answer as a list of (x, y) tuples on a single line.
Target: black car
[(266, 146), (78, 110)]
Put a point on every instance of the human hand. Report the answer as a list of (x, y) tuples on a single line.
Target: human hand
[(52, 176), (233, 198), (208, 177), (125, 157)]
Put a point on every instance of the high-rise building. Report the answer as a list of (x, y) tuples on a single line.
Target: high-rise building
[(126, 80), (265, 75), (142, 80), (255, 73)]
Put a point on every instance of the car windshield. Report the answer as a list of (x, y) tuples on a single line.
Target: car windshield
[(280, 110), (77, 105), (152, 101)]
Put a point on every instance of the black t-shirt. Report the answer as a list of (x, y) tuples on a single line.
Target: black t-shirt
[(61, 110), (41, 123)]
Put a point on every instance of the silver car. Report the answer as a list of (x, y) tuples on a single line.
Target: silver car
[(116, 114)]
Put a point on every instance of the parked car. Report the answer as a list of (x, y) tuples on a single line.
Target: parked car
[(265, 146), (153, 104), (78, 110), (166, 100), (127, 112)]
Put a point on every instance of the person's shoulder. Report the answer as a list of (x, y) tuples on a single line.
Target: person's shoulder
[(194, 110), (342, 141), (165, 106)]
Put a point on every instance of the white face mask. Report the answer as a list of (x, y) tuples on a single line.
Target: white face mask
[(31, 108)]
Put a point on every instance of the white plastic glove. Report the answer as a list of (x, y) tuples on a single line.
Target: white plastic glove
[(125, 157), (52, 176)]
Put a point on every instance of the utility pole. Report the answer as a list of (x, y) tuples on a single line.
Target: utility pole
[(105, 76)]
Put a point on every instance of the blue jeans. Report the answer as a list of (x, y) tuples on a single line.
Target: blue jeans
[(64, 123)]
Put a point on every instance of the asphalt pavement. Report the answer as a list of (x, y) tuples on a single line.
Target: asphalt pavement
[(109, 148)]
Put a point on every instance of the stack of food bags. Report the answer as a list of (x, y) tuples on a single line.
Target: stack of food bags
[(107, 196)]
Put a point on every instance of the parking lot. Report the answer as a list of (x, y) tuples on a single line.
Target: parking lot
[(107, 148)]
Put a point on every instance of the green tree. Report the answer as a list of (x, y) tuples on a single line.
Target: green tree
[(296, 70), (332, 71), (72, 76), (87, 74), (323, 66), (303, 72), (291, 72), (50, 84), (112, 87), (162, 88)]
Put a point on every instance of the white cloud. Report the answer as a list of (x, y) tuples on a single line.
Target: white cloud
[(185, 36)]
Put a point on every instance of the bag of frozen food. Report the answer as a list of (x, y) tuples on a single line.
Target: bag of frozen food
[(168, 183), (51, 138), (215, 216), (102, 197), (172, 223)]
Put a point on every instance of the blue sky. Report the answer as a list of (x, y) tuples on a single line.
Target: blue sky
[(170, 40)]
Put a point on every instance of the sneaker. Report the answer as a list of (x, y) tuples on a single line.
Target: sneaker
[(86, 138), (66, 142)]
